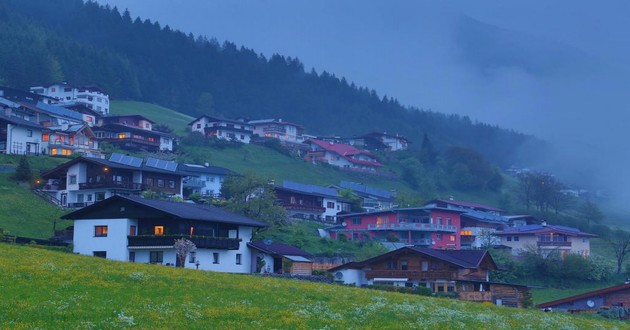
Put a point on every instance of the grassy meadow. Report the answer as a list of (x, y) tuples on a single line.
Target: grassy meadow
[(52, 290), (21, 212)]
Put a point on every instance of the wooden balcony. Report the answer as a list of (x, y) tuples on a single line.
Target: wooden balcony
[(554, 244), (413, 227), (111, 184), (205, 242), (411, 274)]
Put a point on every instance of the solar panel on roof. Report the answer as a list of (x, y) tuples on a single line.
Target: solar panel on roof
[(171, 166), (151, 162), (136, 162), (115, 158)]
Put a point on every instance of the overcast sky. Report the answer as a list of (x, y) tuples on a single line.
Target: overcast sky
[(557, 69)]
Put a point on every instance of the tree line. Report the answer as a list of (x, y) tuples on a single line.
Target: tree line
[(139, 59)]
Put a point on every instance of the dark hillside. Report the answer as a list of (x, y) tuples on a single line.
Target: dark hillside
[(132, 58)]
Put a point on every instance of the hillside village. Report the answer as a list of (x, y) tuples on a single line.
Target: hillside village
[(439, 245)]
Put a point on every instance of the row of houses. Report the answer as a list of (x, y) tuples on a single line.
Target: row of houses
[(456, 225), (59, 125), (134, 229)]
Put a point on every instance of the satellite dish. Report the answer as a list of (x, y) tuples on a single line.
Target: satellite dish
[(590, 303), (267, 241), (339, 276), (344, 224)]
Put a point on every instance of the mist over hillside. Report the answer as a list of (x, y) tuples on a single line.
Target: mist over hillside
[(554, 69), (136, 58)]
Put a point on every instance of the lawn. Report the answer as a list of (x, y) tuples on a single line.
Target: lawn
[(21, 212), (54, 290), (550, 294), (161, 115)]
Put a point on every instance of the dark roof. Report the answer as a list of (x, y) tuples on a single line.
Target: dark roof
[(542, 229), (279, 249), (376, 134), (273, 121), (217, 119), (485, 217), (464, 204), (19, 121), (107, 163), (600, 292), (109, 118), (361, 189), (176, 210), (462, 258), (193, 169), (393, 210)]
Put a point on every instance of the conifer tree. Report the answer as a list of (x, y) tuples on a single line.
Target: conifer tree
[(23, 172)]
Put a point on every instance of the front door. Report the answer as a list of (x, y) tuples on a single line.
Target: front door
[(64, 199)]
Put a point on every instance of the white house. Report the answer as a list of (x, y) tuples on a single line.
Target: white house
[(84, 180), (92, 96), (546, 239), (224, 129), (341, 155), (135, 229), (204, 180), (279, 129)]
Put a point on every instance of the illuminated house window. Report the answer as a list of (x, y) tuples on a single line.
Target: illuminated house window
[(158, 230), (121, 135), (45, 137), (100, 231), (452, 238), (53, 151), (466, 233)]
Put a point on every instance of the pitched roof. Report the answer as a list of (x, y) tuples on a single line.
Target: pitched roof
[(109, 164), (463, 204), (217, 119), (19, 121), (273, 121), (600, 292), (110, 118), (339, 148), (183, 211), (470, 259), (279, 249), (194, 169), (308, 189), (542, 229)]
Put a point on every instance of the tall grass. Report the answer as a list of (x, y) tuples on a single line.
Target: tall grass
[(52, 290)]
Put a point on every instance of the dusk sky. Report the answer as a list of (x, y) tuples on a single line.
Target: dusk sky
[(556, 69)]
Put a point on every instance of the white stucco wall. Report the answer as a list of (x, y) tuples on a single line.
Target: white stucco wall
[(166, 143), (18, 137), (351, 276), (115, 243)]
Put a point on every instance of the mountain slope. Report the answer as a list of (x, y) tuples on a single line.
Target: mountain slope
[(141, 60)]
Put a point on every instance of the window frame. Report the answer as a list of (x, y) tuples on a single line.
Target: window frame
[(100, 230)]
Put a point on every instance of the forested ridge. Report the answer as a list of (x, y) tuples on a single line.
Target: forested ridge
[(131, 58)]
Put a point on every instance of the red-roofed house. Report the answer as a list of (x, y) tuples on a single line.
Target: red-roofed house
[(341, 155)]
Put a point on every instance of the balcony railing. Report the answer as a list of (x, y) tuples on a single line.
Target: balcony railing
[(111, 184), (413, 226), (411, 274), (420, 241), (551, 243), (194, 183), (475, 296), (206, 242)]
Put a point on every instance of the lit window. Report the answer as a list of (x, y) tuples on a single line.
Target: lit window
[(45, 137), (53, 151), (100, 231), (452, 238), (158, 230), (121, 135)]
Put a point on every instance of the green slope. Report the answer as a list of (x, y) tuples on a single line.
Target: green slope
[(54, 290), (161, 115), (21, 212)]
